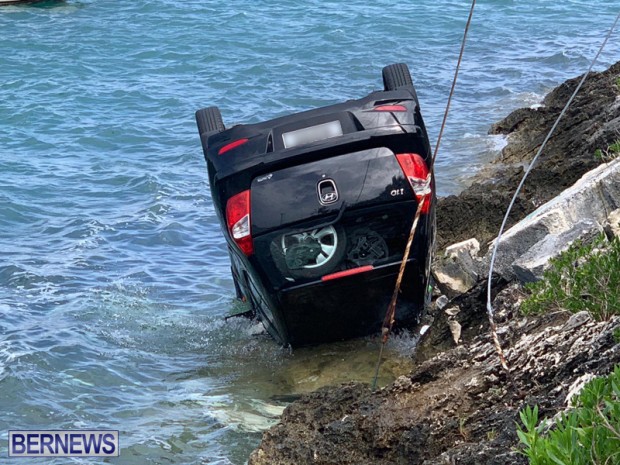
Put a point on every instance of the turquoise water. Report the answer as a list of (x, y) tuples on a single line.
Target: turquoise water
[(113, 276)]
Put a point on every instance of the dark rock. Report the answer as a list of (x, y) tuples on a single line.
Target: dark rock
[(460, 406), (472, 318), (592, 122)]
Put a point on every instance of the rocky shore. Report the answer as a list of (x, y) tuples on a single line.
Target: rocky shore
[(459, 406), (591, 123)]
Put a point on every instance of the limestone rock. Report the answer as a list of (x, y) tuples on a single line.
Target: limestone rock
[(455, 329), (531, 265), (577, 213), (458, 406), (457, 271), (612, 225)]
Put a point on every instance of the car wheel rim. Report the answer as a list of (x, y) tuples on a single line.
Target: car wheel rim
[(326, 237)]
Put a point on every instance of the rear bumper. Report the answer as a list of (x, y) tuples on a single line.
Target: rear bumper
[(350, 299), (351, 306)]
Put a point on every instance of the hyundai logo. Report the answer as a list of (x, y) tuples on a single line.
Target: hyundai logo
[(328, 193)]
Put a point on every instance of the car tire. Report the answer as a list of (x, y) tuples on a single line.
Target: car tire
[(396, 75), (209, 120), (316, 270)]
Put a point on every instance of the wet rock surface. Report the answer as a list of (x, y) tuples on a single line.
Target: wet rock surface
[(459, 406)]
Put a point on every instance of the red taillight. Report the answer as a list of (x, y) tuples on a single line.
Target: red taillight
[(397, 108), (416, 171), (238, 221), (231, 146)]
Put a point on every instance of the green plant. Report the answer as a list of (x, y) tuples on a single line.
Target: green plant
[(610, 153), (587, 434), (584, 277), (616, 335), (462, 430), (618, 81)]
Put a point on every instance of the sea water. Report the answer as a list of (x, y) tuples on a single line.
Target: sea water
[(114, 277)]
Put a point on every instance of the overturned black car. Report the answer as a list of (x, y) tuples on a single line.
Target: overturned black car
[(317, 206)]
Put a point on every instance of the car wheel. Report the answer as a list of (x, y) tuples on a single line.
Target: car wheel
[(366, 247), (310, 254), (209, 120), (396, 75)]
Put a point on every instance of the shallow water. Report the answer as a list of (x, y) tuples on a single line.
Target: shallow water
[(114, 279)]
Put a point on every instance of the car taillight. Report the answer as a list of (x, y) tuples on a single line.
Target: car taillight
[(231, 146), (238, 221), (391, 108), (416, 171)]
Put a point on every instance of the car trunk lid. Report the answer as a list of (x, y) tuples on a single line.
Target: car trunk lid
[(326, 187)]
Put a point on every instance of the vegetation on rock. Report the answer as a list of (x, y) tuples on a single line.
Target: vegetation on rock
[(589, 433), (584, 277), (610, 153)]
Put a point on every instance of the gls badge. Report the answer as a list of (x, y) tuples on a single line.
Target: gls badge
[(328, 193)]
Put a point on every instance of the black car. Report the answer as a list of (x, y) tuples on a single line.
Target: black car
[(317, 206)]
